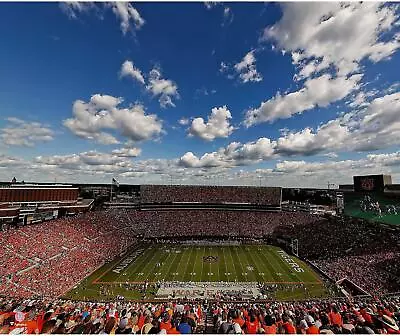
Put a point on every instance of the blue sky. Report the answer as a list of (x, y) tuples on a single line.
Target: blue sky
[(294, 93)]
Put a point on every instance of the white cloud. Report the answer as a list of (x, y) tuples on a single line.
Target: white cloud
[(223, 67), (128, 15), (205, 92), (9, 161), (128, 70), (330, 136), (211, 4), (87, 161), (246, 68), (183, 121), (361, 99), (103, 112), (71, 8), (165, 89), (376, 126), (117, 163), (228, 17), (235, 154), (334, 33), (320, 91), (331, 155), (22, 133), (217, 125), (189, 160), (127, 152)]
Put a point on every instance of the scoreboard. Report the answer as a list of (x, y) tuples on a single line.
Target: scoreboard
[(371, 183)]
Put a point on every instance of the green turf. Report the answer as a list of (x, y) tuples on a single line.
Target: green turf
[(352, 209), (243, 263)]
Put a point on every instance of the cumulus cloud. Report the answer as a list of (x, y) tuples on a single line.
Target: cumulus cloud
[(246, 69), (375, 126), (235, 154), (217, 125), (329, 136), (102, 112), (22, 133), (327, 43), (323, 34), (128, 70), (320, 91), (165, 89)]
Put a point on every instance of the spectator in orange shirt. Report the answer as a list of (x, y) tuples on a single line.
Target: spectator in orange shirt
[(270, 327), (251, 325), (238, 319), (335, 317), (165, 323), (288, 326), (312, 328)]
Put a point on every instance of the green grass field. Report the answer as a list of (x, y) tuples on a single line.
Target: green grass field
[(352, 209), (243, 263)]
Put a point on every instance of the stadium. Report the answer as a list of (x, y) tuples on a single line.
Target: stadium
[(157, 255), (200, 167)]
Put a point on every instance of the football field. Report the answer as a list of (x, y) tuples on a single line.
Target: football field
[(242, 263), (234, 263)]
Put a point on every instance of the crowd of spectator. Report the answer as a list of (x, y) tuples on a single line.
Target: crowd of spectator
[(379, 315), (362, 252), (309, 317), (210, 194), (195, 223), (51, 257)]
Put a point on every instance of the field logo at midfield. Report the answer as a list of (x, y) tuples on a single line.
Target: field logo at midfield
[(290, 261), (210, 259)]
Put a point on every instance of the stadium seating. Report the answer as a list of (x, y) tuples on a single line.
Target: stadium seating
[(366, 254), (210, 194), (194, 223), (47, 259)]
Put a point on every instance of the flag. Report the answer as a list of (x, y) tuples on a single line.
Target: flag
[(115, 182)]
